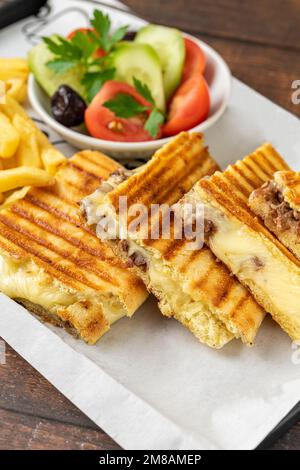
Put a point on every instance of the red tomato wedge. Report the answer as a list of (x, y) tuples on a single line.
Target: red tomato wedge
[(195, 60), (102, 123), (99, 52), (190, 104)]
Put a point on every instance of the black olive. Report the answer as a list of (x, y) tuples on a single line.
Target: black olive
[(129, 36), (67, 106)]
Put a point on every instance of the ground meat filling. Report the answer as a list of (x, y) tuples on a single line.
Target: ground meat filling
[(136, 258), (281, 214), (115, 178)]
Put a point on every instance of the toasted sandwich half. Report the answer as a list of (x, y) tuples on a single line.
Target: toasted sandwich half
[(54, 265), (277, 202), (191, 286), (244, 244)]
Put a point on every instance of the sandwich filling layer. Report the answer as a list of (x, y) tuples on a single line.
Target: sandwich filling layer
[(25, 280), (159, 279), (173, 300), (276, 211), (273, 279)]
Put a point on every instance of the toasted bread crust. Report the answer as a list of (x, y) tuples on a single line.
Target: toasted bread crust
[(171, 172), (48, 228), (289, 184), (228, 193)]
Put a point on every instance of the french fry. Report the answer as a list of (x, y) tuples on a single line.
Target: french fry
[(34, 148), (12, 108), (28, 151), (17, 89), (52, 159), (24, 176), (15, 196), (8, 163), (13, 68), (10, 137)]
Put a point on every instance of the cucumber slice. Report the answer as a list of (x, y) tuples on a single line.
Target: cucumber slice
[(49, 80), (169, 46), (140, 61)]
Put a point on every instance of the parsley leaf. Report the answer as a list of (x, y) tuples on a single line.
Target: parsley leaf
[(84, 43), (64, 49), (80, 50), (124, 106), (143, 90), (93, 81), (154, 121), (102, 25), (118, 35)]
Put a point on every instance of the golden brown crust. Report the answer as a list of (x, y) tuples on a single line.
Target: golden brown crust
[(169, 174), (47, 227), (226, 195), (181, 164), (232, 188), (289, 184)]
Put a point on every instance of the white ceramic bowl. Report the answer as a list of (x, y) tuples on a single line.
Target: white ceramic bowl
[(218, 78)]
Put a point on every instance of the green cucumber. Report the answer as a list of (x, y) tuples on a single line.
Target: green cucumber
[(47, 78), (140, 61), (169, 46)]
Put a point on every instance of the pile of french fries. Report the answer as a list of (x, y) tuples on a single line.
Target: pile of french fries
[(27, 158), (14, 74)]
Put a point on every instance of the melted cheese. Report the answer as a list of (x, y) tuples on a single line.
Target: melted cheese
[(25, 280), (173, 300), (239, 247)]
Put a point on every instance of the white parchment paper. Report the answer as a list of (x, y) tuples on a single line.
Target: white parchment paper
[(149, 383)]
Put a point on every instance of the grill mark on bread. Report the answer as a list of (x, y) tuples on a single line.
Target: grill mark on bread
[(51, 209), (52, 192), (91, 168), (86, 260), (227, 197), (255, 178), (87, 174), (141, 193), (57, 253), (47, 211), (240, 187), (102, 169), (18, 239), (81, 189), (103, 252), (242, 175), (240, 304)]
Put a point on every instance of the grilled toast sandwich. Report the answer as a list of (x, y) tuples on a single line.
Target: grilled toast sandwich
[(190, 285), (242, 242), (54, 265)]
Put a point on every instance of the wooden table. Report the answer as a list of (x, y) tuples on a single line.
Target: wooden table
[(260, 40)]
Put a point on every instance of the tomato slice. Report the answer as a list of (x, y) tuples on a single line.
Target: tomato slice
[(191, 102), (195, 60), (103, 123), (99, 52), (189, 106)]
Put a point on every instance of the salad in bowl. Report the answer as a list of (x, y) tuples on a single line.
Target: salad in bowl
[(130, 88)]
